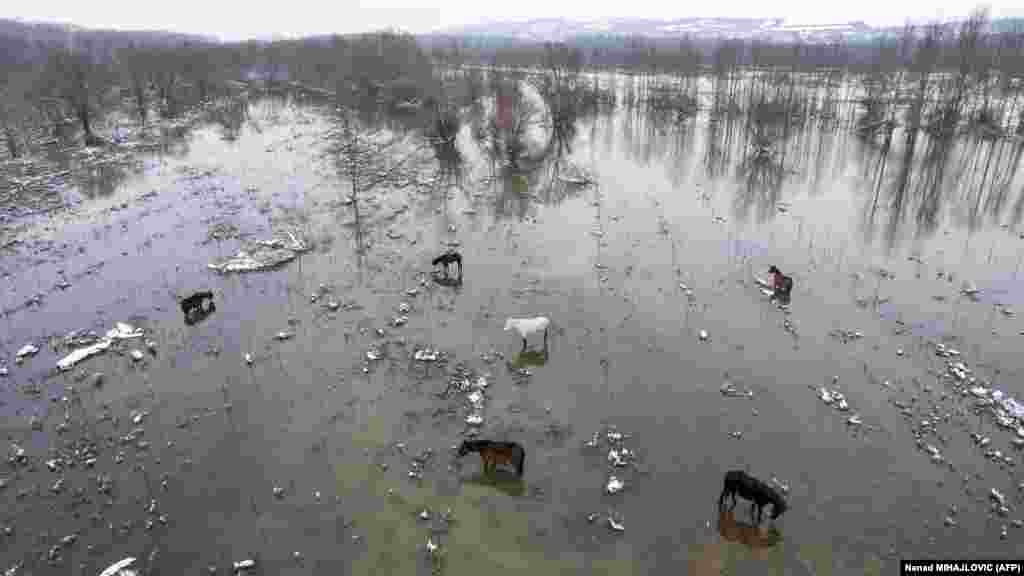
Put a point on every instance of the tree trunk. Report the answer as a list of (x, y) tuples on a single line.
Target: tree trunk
[(83, 115), (12, 142)]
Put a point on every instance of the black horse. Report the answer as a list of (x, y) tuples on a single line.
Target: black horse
[(197, 306), (447, 259), (494, 452), (750, 488)]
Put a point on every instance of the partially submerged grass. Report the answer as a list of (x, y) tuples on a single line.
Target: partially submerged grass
[(480, 540)]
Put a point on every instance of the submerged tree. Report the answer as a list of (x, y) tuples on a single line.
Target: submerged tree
[(78, 78)]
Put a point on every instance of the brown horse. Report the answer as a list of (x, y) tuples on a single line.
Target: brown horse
[(493, 453)]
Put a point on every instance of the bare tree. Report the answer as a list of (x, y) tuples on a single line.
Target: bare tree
[(13, 115), (82, 82), (134, 65)]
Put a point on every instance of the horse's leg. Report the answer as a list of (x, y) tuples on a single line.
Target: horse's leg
[(524, 344), (545, 340)]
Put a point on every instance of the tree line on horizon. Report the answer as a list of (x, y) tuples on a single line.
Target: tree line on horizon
[(49, 75)]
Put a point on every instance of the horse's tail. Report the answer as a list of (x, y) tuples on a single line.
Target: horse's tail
[(521, 464)]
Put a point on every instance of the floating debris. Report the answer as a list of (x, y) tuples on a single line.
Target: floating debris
[(373, 354), (846, 336), (619, 457), (77, 356), (729, 389), (855, 420), (264, 255), (997, 497), (244, 565), (703, 335), (614, 485), (593, 517), (425, 514), (278, 492), (404, 308), (399, 320), (425, 355), (248, 358), (25, 351), (474, 419), (119, 568), (121, 331), (284, 335), (616, 525), (949, 521), (136, 355)]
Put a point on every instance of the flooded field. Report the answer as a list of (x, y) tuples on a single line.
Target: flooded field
[(308, 422)]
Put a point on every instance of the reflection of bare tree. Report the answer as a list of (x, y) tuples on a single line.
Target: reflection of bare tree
[(515, 117), (513, 200), (231, 115), (762, 187), (718, 150), (101, 180)]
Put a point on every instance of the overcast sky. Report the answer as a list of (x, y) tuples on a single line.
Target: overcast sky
[(233, 20)]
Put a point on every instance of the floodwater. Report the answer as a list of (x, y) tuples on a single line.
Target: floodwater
[(630, 271)]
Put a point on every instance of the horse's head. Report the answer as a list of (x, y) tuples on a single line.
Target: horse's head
[(778, 506)]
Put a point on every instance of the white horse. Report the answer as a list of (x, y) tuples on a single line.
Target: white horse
[(527, 326)]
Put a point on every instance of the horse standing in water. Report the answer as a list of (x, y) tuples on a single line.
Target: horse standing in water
[(197, 306), (750, 488), (782, 285), (447, 259), (493, 453)]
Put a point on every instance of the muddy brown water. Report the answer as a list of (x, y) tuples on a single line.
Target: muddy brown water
[(605, 264)]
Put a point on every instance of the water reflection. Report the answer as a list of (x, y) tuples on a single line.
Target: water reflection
[(103, 179), (231, 115), (747, 534), (503, 481), (910, 183), (529, 358), (513, 199)]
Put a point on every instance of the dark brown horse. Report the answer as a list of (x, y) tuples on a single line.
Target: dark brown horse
[(493, 453), (447, 259), (197, 306), (750, 488)]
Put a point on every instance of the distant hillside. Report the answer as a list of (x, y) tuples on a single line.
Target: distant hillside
[(766, 29), (52, 33)]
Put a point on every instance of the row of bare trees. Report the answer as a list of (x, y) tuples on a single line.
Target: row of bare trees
[(46, 85)]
